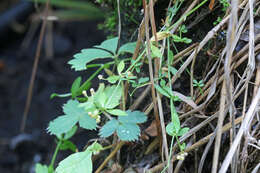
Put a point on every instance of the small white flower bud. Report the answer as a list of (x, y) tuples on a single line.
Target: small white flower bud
[(100, 77), (85, 93), (92, 91)]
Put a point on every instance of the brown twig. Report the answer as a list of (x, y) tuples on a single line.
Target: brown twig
[(111, 155), (34, 70)]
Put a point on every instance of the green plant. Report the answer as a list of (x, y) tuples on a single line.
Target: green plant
[(88, 111), (198, 84)]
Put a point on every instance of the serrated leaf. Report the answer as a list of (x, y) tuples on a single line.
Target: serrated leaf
[(62, 124), (113, 79), (120, 67), (114, 94), (39, 168), (183, 131), (87, 122), (87, 55), (73, 114), (110, 45), (76, 163), (117, 112), (68, 145), (75, 87), (109, 128), (156, 51), (128, 132), (128, 47), (133, 117)]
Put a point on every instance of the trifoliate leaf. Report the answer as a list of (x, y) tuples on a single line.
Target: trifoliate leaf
[(72, 109), (39, 168), (117, 112), (87, 55), (76, 163), (128, 132), (128, 47), (62, 124), (120, 67), (113, 94), (110, 45), (109, 128), (133, 117), (73, 114)]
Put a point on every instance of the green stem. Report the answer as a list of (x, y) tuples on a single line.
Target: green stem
[(87, 82), (170, 155), (189, 13), (56, 152)]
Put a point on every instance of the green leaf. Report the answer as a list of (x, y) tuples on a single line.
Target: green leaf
[(39, 168), (143, 80), (75, 87), (117, 112), (68, 145), (73, 114), (113, 79), (133, 117), (110, 45), (120, 67), (59, 95), (76, 163), (128, 132), (70, 133), (156, 51), (171, 129), (186, 40), (170, 56), (87, 55), (114, 94), (62, 124), (175, 117), (162, 91), (87, 122), (109, 128), (176, 38), (95, 147), (128, 47), (183, 131), (173, 70)]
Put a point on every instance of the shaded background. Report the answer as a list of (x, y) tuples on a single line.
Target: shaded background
[(19, 33)]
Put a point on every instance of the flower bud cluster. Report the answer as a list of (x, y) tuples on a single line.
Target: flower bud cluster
[(95, 115)]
